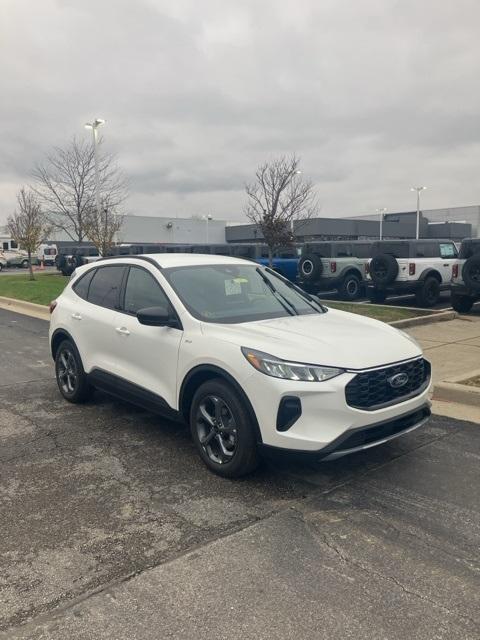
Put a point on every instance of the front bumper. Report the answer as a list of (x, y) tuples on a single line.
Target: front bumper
[(326, 419)]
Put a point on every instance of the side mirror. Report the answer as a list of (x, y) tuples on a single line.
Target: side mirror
[(156, 317)]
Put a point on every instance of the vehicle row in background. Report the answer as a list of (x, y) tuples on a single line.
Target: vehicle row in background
[(377, 269)]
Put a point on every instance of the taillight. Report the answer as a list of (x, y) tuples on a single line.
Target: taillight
[(367, 267), (333, 266), (455, 271), (411, 269), (52, 306)]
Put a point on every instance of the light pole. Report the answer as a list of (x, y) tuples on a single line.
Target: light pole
[(381, 213), (207, 220), (418, 189), (98, 122), (292, 229)]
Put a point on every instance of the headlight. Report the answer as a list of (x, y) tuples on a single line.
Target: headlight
[(277, 368)]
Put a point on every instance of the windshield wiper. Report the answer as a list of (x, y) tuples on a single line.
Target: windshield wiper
[(282, 300), (310, 299)]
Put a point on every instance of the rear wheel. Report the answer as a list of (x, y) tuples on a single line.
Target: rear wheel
[(24, 264), (462, 304), (350, 288), (377, 297), (222, 430), (71, 377), (429, 293)]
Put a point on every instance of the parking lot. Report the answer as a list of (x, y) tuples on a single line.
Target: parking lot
[(109, 518)]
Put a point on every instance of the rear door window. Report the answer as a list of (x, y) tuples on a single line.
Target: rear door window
[(105, 286)]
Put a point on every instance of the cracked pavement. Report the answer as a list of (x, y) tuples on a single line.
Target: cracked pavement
[(111, 527)]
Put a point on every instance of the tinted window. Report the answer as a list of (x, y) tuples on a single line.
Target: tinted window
[(448, 250), (395, 249), (362, 250), (343, 251), (243, 251), (143, 291), (81, 286), (426, 250), (321, 249), (105, 286)]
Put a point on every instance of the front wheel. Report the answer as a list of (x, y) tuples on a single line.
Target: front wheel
[(462, 304), (25, 264), (71, 378), (222, 430)]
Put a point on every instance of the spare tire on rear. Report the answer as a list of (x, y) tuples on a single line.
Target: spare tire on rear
[(471, 272), (383, 269), (310, 266)]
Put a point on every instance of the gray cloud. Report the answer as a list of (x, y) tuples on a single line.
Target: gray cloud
[(373, 95)]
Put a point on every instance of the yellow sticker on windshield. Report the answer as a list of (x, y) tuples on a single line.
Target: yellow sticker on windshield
[(241, 280)]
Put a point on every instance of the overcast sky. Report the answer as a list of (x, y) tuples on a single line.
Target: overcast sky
[(373, 95)]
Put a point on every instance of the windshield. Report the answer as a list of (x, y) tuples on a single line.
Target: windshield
[(230, 293)]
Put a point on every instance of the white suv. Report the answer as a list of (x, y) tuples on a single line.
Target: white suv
[(238, 352), (421, 267)]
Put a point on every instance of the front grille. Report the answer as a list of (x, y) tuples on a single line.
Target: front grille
[(372, 390)]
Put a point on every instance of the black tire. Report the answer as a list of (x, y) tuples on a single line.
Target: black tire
[(351, 287), (462, 304), (383, 269), (377, 297), (310, 266), (429, 294), (233, 431), (471, 273), (24, 264), (74, 387), (1, 266)]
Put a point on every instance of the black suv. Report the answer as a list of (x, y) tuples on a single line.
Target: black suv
[(466, 276), (420, 267)]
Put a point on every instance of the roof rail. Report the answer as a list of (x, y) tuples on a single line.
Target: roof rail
[(132, 256)]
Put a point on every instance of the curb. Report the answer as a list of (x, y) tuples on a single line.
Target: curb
[(443, 316), (454, 391), (25, 308), (458, 393)]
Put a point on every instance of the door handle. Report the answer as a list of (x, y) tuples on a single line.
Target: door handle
[(123, 331), (76, 316)]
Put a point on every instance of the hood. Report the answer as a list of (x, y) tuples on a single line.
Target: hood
[(335, 338)]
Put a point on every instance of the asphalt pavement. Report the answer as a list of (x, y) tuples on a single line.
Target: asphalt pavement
[(111, 527)]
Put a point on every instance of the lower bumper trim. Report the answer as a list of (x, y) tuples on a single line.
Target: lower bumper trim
[(362, 438)]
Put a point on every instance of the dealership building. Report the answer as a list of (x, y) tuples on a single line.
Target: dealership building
[(455, 223)]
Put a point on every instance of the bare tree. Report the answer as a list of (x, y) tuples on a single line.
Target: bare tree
[(102, 228), (65, 185), (278, 198), (28, 225)]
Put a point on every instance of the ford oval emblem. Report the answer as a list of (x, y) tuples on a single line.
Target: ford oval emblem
[(398, 380)]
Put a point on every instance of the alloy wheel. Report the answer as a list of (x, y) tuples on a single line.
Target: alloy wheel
[(216, 429), (67, 371)]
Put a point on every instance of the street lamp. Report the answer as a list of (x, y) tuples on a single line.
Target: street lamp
[(418, 189), (381, 213), (207, 220), (98, 122)]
